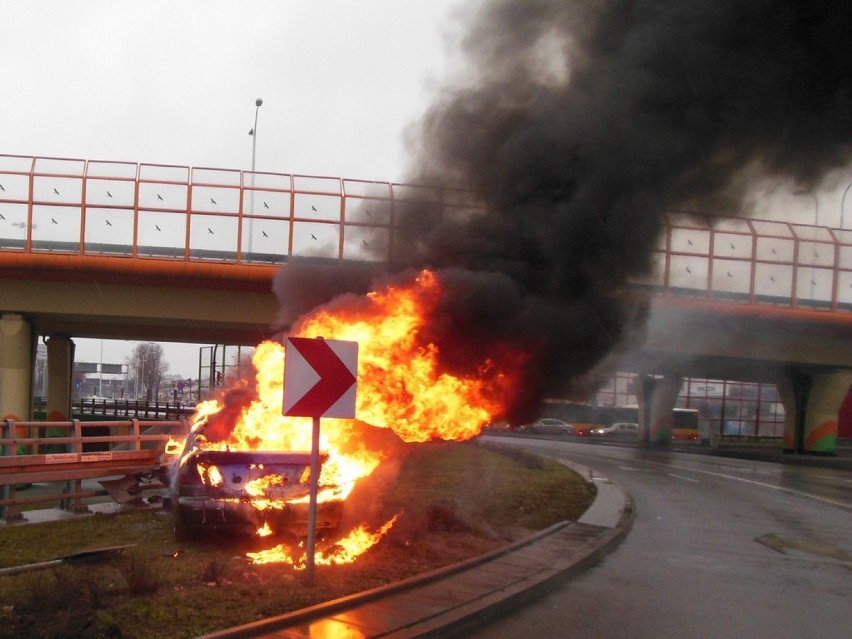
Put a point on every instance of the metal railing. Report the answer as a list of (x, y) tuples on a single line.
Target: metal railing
[(139, 409), (754, 261), (89, 207), (61, 455), (168, 212)]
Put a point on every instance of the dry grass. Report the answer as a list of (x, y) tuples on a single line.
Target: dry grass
[(455, 500)]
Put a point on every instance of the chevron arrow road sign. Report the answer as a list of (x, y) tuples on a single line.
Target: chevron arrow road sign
[(320, 377)]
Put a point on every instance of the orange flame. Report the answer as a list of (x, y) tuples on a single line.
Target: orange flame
[(400, 386), (343, 551)]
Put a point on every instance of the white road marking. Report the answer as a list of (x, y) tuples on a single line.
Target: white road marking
[(684, 478)]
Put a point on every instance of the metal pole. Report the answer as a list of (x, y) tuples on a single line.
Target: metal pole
[(312, 507), (253, 134), (842, 202), (101, 372)]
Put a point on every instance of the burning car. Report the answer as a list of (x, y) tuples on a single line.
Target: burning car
[(247, 492)]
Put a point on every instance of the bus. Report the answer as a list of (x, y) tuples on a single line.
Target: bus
[(685, 425)]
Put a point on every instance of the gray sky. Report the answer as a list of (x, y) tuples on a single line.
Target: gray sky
[(170, 82), (176, 82)]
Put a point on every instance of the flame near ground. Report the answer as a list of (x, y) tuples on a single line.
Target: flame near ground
[(401, 386)]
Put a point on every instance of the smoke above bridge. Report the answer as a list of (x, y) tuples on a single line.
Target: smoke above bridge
[(580, 123)]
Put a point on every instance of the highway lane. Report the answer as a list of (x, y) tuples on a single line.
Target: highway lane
[(719, 548)]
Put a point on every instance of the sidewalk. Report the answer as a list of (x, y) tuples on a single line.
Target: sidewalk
[(446, 602)]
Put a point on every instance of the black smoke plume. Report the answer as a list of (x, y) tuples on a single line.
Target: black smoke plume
[(579, 123)]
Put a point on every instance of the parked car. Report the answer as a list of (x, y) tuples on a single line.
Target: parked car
[(550, 426), (619, 430)]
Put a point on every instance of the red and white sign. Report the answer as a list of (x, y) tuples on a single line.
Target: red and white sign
[(320, 377)]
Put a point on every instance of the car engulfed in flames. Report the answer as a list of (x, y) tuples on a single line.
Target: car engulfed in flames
[(243, 466), (248, 493)]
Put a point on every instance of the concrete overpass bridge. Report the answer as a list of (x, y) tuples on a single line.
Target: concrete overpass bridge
[(171, 253)]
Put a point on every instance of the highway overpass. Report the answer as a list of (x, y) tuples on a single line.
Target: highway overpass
[(162, 253)]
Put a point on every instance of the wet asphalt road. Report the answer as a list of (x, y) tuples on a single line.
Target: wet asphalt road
[(719, 548)]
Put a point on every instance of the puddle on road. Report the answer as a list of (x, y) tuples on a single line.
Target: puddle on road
[(779, 544)]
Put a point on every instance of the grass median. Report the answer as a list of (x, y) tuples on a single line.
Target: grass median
[(453, 500)]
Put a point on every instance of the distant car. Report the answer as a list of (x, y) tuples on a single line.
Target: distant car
[(619, 430), (550, 426)]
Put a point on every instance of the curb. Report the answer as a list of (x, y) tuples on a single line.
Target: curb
[(603, 526)]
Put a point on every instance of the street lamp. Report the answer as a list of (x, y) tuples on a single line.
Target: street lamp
[(842, 202), (253, 134)]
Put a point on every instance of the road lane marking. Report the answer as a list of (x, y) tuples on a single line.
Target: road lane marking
[(684, 478), (783, 489)]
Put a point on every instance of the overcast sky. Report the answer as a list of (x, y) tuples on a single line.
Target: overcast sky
[(171, 82), (175, 82)]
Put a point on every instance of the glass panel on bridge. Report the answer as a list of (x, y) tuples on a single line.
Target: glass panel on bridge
[(731, 245), (266, 195), (111, 170), (814, 286), (689, 241), (689, 272), (222, 200), (775, 249), (114, 193), (366, 243), (317, 184), (265, 240), (773, 283), (161, 234), (366, 210), (731, 279), (213, 237), (311, 206), (109, 231), (686, 219), (13, 226), (56, 228), (51, 190), (316, 239), (163, 196), (53, 167)]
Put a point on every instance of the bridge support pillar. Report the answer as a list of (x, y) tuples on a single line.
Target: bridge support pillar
[(60, 362), (657, 398), (812, 405), (16, 368)]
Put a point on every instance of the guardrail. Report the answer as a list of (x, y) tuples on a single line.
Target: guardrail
[(63, 454), (138, 409)]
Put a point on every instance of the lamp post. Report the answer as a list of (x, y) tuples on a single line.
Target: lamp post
[(842, 203), (253, 134)]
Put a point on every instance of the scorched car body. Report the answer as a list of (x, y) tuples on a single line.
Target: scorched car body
[(244, 491)]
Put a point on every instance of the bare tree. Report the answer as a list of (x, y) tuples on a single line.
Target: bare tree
[(149, 366)]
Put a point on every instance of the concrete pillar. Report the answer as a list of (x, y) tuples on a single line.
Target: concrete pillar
[(60, 362), (828, 390), (793, 393), (657, 398), (812, 404), (16, 368)]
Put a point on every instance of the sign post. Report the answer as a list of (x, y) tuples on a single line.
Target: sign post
[(320, 380)]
